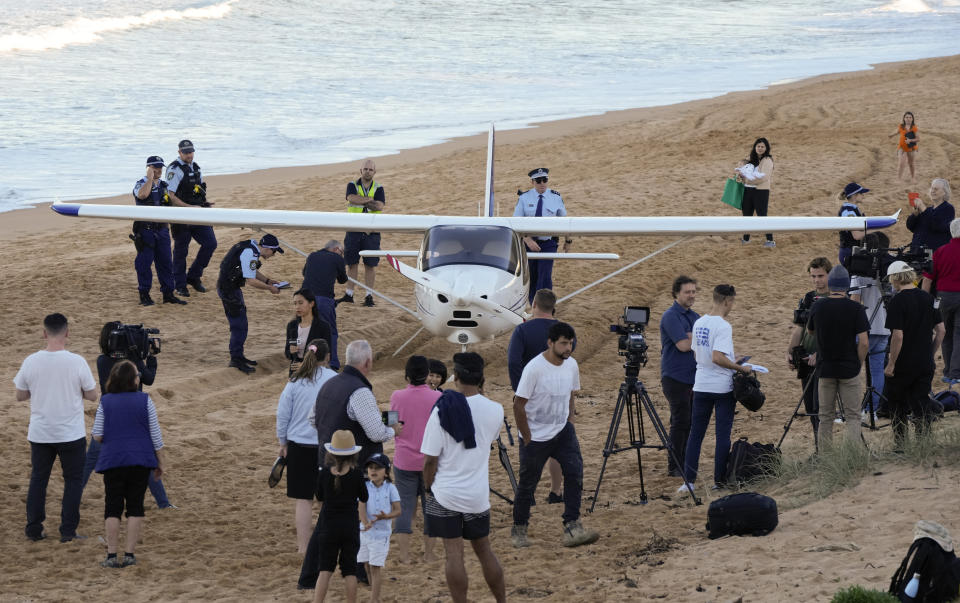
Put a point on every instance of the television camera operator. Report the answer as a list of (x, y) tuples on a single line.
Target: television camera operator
[(944, 275), (139, 345), (802, 351), (916, 331)]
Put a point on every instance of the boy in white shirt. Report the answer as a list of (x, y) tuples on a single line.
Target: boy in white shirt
[(376, 518)]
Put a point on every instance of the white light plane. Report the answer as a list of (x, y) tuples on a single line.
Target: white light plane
[(471, 278)]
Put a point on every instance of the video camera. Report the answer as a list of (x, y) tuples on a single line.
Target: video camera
[(632, 343), (133, 341), (873, 263)]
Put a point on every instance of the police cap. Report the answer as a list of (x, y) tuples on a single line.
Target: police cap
[(185, 146), (270, 242), (538, 173), (155, 161)]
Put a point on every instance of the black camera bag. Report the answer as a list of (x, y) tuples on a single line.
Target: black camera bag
[(749, 461), (744, 514), (746, 391)]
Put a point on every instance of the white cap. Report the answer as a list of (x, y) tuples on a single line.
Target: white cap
[(898, 267)]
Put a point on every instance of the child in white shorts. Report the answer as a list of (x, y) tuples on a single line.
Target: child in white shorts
[(383, 504)]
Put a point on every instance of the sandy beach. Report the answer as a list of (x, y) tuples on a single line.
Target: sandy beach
[(232, 538)]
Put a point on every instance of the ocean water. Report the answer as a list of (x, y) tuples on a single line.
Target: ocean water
[(91, 87)]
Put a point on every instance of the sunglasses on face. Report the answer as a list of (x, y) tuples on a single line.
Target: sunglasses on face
[(540, 180)]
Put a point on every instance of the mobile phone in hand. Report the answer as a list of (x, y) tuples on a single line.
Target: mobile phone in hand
[(390, 417)]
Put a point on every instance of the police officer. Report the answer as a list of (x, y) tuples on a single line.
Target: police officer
[(183, 177), (536, 202), (152, 239), (364, 196), (241, 266)]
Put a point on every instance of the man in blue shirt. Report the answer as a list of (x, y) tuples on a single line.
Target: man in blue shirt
[(320, 271), (537, 202), (678, 366)]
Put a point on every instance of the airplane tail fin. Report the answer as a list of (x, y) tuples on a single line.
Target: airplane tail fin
[(488, 207)]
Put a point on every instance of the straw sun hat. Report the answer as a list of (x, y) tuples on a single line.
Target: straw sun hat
[(342, 443)]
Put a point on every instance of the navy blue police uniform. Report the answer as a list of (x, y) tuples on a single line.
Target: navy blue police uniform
[(321, 269), (533, 204), (355, 242), (187, 182), (239, 264), (152, 240)]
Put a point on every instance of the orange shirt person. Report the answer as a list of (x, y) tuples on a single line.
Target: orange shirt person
[(907, 146)]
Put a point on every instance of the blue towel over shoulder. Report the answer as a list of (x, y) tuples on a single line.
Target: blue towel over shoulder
[(456, 418)]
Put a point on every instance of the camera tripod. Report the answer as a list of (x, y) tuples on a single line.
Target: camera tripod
[(505, 461), (633, 397)]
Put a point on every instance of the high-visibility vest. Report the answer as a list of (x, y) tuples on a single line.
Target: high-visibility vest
[(356, 209)]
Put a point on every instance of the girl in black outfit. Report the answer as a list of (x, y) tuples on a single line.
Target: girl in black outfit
[(307, 321), (339, 487)]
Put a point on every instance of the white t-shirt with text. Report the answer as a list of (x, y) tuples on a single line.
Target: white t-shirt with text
[(56, 382), (712, 333), (462, 482), (547, 388)]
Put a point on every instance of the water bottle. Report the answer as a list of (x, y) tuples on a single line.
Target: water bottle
[(913, 586)]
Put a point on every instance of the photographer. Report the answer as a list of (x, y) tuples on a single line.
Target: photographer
[(916, 330), (147, 370), (678, 366), (802, 351), (870, 293), (945, 276), (840, 325)]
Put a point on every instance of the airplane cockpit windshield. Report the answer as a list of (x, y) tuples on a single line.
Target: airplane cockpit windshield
[(493, 246)]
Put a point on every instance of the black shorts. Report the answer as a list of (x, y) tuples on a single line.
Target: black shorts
[(440, 522), (301, 471), (355, 242), (124, 486)]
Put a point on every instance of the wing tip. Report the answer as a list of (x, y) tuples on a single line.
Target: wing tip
[(66, 209)]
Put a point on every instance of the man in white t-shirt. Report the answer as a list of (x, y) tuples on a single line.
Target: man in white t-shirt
[(56, 382), (543, 410), (456, 448), (713, 386)]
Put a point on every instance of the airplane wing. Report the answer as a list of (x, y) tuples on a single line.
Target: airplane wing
[(569, 226), (444, 288), (409, 253)]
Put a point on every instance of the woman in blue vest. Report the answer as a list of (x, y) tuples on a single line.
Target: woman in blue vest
[(126, 424)]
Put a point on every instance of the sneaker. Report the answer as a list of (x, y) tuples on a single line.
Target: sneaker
[(182, 292), (170, 298), (574, 534), (72, 538), (242, 366), (38, 537), (111, 562), (197, 285), (518, 536), (744, 241), (770, 244), (838, 420), (346, 299), (128, 559), (248, 361), (170, 506), (685, 489), (368, 301), (145, 299), (554, 498)]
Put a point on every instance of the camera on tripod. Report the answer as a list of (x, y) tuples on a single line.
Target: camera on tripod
[(632, 343), (133, 341)]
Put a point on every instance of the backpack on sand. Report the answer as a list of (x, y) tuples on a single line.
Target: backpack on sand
[(743, 514), (939, 573), (749, 461)]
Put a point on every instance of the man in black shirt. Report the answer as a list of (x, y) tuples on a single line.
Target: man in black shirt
[(320, 271), (840, 325), (916, 330)]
